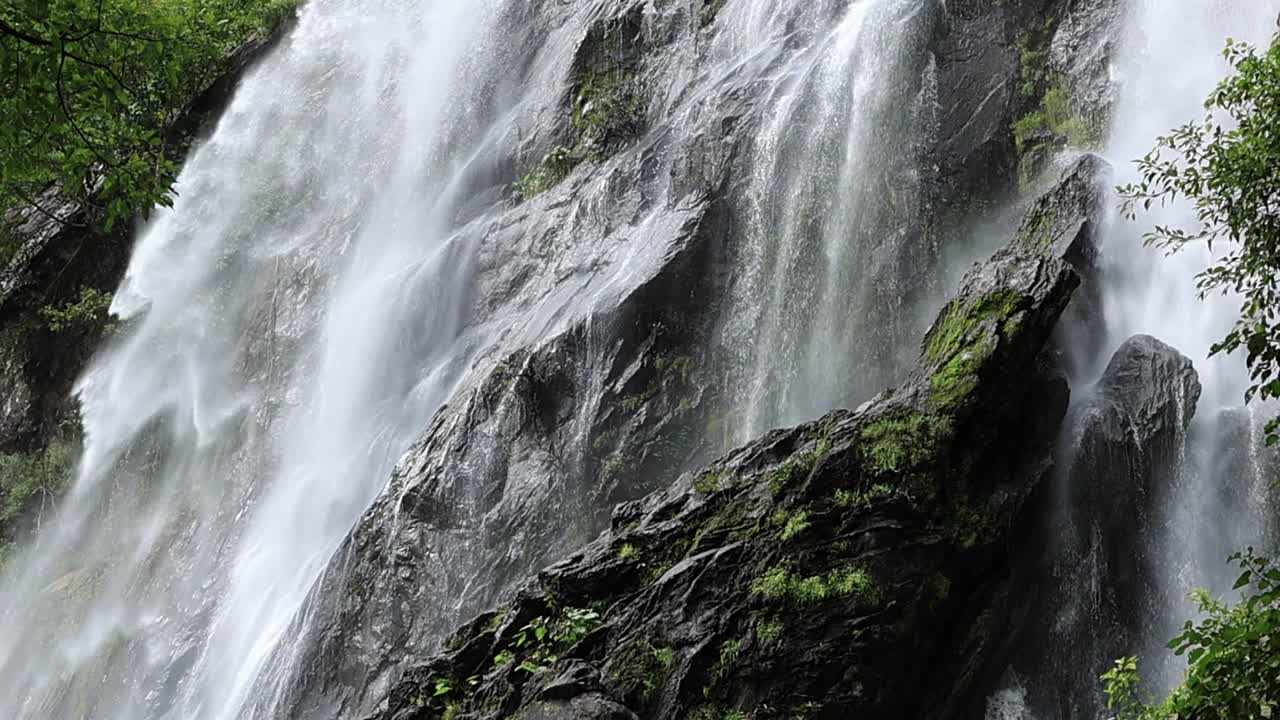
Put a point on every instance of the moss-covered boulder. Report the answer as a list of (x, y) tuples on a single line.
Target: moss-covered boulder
[(860, 564)]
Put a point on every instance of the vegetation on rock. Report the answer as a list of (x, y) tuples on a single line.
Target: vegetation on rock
[(606, 107), (29, 483), (88, 89), (885, 526)]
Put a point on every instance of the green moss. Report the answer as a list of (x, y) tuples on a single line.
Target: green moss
[(956, 380), (627, 551), (962, 317), (800, 464), (1056, 116), (554, 167), (780, 585), (897, 444), (963, 338), (1038, 230), (608, 107), (711, 480)]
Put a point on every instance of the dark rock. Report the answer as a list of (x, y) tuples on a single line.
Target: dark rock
[(862, 564), (1124, 447)]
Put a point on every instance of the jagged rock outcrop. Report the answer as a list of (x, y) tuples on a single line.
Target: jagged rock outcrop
[(858, 564), (1124, 448), (572, 411)]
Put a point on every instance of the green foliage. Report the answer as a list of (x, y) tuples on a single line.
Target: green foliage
[(728, 658), (1233, 657), (861, 499), (86, 314), (1228, 167), (554, 167), (627, 551), (1056, 116), (608, 108), (795, 525), (539, 643), (88, 89), (897, 444), (33, 480), (800, 464), (1033, 61), (769, 632), (780, 585)]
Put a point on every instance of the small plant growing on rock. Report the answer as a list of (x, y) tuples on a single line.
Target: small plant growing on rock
[(795, 525)]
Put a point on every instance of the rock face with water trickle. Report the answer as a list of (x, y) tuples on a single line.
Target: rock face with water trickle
[(1124, 451), (860, 564)]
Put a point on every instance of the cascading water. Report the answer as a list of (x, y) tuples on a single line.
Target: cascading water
[(344, 260), (1169, 67), (292, 324), (831, 260), (290, 327), (1208, 496)]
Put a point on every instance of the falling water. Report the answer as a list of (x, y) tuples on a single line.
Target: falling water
[(289, 327), (831, 260), (319, 291), (1214, 504), (1212, 500)]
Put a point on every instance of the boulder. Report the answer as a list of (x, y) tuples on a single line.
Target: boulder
[(1123, 449)]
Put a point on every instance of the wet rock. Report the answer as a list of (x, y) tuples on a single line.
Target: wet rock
[(1124, 447), (861, 564), (1082, 50)]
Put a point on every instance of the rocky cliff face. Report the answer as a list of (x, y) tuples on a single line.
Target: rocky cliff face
[(574, 414), (877, 561), (863, 563)]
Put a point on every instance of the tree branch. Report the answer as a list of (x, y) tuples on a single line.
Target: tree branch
[(11, 31)]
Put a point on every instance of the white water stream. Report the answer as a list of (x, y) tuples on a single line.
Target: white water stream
[(294, 321), (289, 332)]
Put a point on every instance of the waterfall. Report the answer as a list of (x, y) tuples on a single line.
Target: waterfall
[(351, 289), (290, 326), (1212, 507), (832, 263), (1205, 497), (343, 255)]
